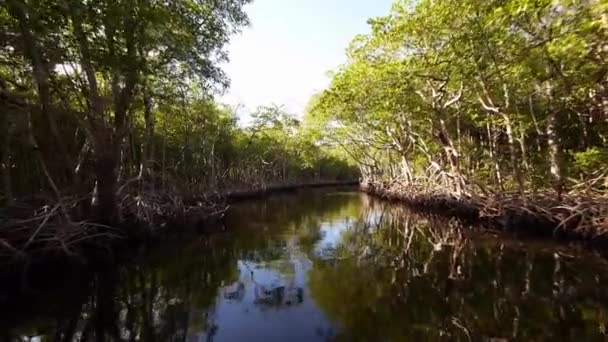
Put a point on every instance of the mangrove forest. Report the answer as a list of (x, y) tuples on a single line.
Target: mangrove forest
[(448, 182)]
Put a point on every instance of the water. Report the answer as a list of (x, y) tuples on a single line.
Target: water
[(326, 265)]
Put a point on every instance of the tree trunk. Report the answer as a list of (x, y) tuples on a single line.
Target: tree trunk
[(45, 170), (41, 76), (5, 161), (554, 152), (105, 172), (83, 177), (553, 142), (407, 171), (164, 152), (513, 156), (105, 146), (539, 132), (95, 99), (148, 146), (491, 150), (451, 155), (213, 177), (523, 150)]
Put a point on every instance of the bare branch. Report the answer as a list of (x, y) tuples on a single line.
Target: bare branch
[(488, 107), (455, 99)]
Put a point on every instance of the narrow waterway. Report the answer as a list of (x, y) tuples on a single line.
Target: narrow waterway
[(320, 265)]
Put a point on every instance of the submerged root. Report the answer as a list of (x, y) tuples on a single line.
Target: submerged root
[(36, 231), (44, 231), (158, 211), (573, 216)]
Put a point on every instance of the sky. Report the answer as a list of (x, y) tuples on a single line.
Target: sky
[(284, 56)]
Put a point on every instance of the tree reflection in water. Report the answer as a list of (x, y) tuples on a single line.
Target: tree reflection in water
[(319, 266), (426, 279)]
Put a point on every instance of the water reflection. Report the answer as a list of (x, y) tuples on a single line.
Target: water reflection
[(321, 265)]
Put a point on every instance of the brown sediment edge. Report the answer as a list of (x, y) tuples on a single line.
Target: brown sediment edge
[(225, 198), (239, 195), (574, 219), (208, 208)]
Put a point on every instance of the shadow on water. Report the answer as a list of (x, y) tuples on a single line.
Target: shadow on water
[(322, 265)]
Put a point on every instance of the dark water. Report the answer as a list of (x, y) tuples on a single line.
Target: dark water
[(326, 265)]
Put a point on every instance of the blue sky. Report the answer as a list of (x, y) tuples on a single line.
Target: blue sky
[(284, 56)]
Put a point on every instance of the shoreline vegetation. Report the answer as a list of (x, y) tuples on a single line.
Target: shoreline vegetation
[(42, 234), (570, 218), (33, 235)]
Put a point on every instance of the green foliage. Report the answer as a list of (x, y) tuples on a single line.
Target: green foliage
[(113, 91), (590, 161), (480, 90)]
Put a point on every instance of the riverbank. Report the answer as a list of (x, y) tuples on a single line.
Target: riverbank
[(32, 233), (574, 217), (233, 196)]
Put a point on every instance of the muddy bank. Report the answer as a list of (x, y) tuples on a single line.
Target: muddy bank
[(572, 218), (233, 196)]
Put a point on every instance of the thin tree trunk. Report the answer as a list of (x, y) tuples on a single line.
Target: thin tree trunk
[(83, 176), (523, 150), (553, 142), (458, 132), (451, 155), (554, 152), (585, 141), (512, 153), (407, 171), (164, 157), (539, 132), (5, 161), (105, 172), (147, 156), (491, 150), (213, 180)]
